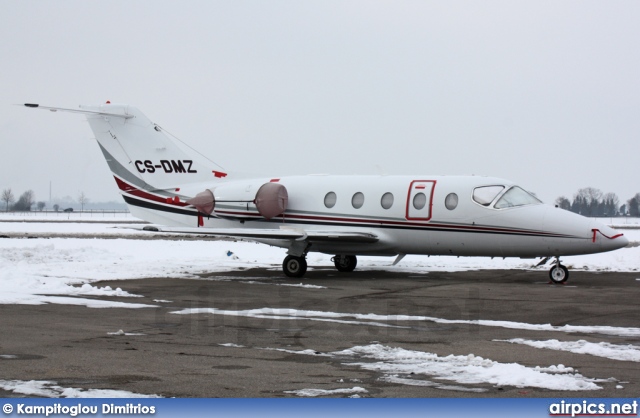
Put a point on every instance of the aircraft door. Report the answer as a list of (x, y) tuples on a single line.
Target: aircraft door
[(420, 200)]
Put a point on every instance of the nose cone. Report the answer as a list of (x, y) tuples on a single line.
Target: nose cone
[(624, 241), (608, 238)]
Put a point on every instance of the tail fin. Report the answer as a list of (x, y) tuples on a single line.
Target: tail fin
[(154, 171), (141, 153)]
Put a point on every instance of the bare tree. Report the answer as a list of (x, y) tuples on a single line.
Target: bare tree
[(25, 201), (7, 198), (56, 207), (586, 201), (634, 205), (610, 203), (623, 209), (83, 200), (563, 203), (41, 205)]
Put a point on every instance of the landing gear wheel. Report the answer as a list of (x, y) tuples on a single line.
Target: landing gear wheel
[(345, 263), (294, 266), (558, 274)]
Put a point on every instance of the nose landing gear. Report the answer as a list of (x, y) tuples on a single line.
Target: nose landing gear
[(558, 273)]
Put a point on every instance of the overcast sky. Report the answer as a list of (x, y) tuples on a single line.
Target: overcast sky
[(544, 93)]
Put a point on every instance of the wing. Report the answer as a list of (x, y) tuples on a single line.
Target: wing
[(293, 234)]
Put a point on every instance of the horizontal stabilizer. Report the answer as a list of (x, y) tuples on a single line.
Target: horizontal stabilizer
[(82, 111)]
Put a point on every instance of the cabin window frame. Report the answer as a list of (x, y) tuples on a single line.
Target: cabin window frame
[(330, 200), (387, 203), (451, 201), (357, 200)]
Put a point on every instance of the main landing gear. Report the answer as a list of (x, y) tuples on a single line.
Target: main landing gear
[(345, 263), (296, 266), (558, 273)]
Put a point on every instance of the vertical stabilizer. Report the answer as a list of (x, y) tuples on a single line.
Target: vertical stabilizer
[(142, 154), (155, 172)]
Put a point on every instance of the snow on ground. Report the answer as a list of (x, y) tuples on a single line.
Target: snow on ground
[(64, 271), (623, 222), (372, 319), (411, 367), (49, 389), (326, 392), (394, 378), (87, 216), (88, 228), (607, 350), (291, 314), (468, 369), (122, 333), (36, 271)]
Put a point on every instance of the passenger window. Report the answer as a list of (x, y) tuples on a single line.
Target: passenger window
[(357, 200), (387, 200), (451, 201), (330, 200), (486, 194), (516, 196), (419, 201)]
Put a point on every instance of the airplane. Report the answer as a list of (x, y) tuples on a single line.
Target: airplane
[(167, 183)]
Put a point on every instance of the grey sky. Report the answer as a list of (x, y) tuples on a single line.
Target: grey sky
[(545, 93)]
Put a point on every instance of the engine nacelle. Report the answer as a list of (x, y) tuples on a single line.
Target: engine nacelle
[(271, 200), (205, 202)]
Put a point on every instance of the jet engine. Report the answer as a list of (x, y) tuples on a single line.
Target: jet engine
[(271, 200), (205, 202)]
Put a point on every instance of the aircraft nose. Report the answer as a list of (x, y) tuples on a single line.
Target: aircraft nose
[(624, 241), (608, 237)]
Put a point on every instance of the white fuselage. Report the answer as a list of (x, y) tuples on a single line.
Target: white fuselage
[(468, 229)]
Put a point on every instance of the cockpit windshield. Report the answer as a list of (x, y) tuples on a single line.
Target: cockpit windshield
[(516, 196), (513, 197), (486, 194)]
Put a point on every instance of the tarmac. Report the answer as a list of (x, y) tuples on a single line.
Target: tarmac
[(218, 355)]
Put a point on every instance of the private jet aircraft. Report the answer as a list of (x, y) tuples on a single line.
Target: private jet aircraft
[(168, 184)]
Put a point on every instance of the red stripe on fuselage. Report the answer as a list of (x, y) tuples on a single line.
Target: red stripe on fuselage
[(134, 191), (380, 222)]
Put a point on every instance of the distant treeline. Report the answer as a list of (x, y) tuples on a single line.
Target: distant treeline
[(593, 203), (27, 202)]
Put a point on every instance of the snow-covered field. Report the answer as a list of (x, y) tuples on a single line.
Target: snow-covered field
[(64, 270), (61, 270), (88, 216)]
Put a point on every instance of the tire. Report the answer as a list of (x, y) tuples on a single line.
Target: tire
[(345, 263), (559, 274), (294, 266)]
